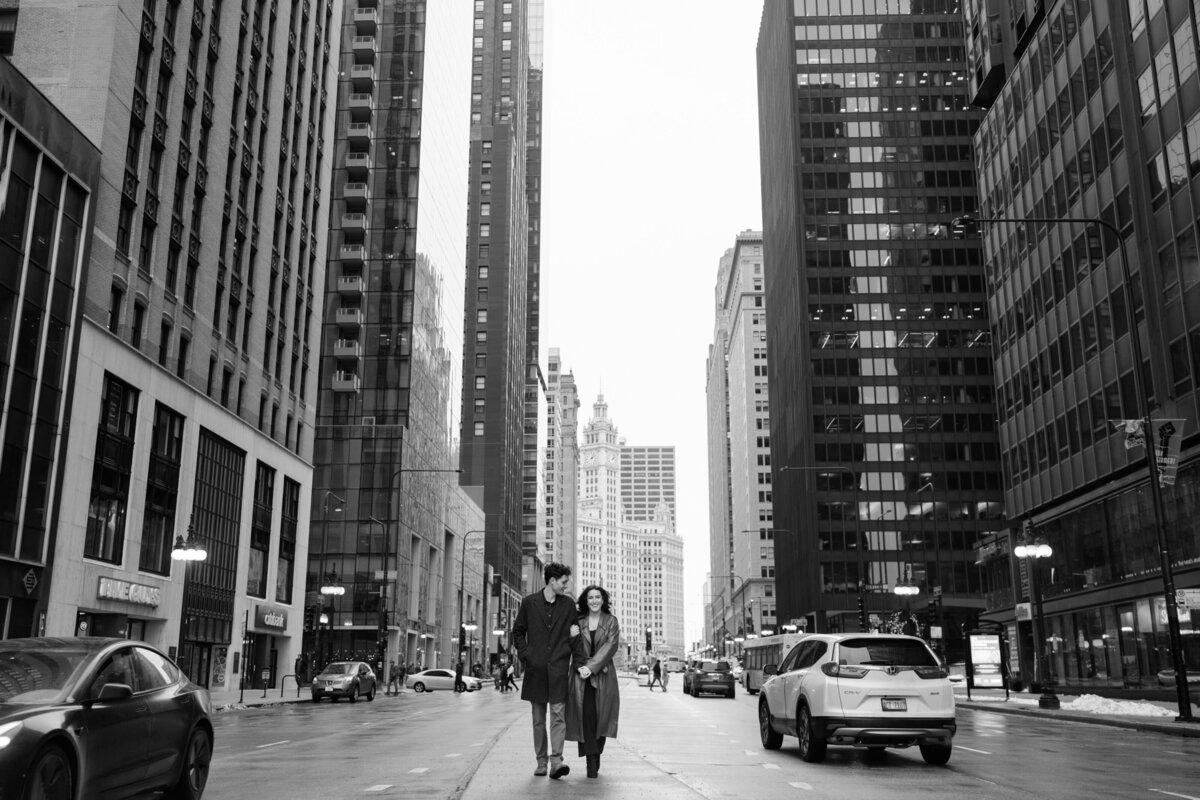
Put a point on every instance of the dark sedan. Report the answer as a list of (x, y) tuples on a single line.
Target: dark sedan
[(103, 718), (714, 677)]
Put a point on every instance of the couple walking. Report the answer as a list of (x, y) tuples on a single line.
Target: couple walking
[(567, 648)]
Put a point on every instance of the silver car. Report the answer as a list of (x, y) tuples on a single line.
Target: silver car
[(430, 679), (350, 679)]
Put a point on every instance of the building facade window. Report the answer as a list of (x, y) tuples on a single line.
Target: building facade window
[(162, 489), (111, 469), (285, 577), (260, 531)]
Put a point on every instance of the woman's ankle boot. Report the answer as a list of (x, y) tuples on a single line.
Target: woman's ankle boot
[(593, 766)]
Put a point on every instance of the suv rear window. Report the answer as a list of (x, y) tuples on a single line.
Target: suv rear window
[(880, 652), (714, 666)]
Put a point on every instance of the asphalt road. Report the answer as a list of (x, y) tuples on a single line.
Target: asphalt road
[(442, 745)]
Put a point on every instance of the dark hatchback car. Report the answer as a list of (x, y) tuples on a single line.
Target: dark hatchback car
[(99, 718), (713, 677)]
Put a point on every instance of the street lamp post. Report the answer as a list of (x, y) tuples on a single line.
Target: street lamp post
[(732, 576), (1034, 550), (1135, 340), (331, 587)]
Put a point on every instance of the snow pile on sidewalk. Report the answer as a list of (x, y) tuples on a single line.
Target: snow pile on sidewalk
[(1126, 708)]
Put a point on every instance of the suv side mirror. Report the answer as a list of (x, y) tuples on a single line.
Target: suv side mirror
[(770, 669)]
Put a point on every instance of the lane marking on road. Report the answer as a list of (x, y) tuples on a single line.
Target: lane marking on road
[(1176, 794), (751, 753), (379, 787), (272, 744), (972, 750), (417, 770), (452, 755), (801, 785), (1176, 753), (770, 766)]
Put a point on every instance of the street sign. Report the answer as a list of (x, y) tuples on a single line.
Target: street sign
[(1187, 600), (390, 575)]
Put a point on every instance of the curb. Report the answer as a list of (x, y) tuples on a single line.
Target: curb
[(1183, 729)]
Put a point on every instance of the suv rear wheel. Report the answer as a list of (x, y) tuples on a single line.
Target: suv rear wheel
[(936, 754), (771, 738), (812, 749)]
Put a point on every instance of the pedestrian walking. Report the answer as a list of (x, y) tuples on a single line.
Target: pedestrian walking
[(545, 632), (393, 678), (666, 676), (594, 705), (510, 678), (656, 675)]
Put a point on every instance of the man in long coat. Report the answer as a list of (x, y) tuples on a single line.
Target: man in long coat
[(542, 634)]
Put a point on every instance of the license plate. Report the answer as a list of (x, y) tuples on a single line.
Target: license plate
[(895, 704)]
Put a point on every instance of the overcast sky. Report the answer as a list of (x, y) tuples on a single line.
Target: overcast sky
[(650, 170)]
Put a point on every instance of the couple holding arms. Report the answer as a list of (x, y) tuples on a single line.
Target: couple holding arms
[(567, 647)]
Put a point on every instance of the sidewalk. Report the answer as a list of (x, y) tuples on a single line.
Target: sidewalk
[(231, 699), (506, 770), (1140, 715)]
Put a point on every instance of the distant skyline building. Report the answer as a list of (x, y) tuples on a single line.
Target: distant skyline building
[(1117, 138), (608, 545), (660, 556), (49, 173), (742, 547), (561, 464), (501, 372), (648, 481), (196, 381), (391, 522), (884, 445)]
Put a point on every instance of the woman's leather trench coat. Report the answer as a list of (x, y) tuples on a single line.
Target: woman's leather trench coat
[(604, 678)]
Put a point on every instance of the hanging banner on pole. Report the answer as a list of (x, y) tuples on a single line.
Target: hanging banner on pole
[(1166, 436)]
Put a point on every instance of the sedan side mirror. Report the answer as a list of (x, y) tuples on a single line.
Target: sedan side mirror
[(770, 669), (114, 691)]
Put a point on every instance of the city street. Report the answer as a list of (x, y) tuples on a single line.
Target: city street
[(478, 746)]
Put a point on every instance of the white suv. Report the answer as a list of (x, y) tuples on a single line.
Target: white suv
[(865, 690)]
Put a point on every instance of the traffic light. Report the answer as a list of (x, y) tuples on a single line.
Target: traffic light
[(462, 638), (308, 618), (933, 608), (862, 613), (647, 640)]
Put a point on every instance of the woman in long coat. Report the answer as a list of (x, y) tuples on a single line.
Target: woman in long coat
[(594, 703)]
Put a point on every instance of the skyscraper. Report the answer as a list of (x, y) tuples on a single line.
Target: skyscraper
[(392, 524), (561, 464), (742, 557), (500, 365), (1092, 114), (884, 449), (648, 482), (196, 381)]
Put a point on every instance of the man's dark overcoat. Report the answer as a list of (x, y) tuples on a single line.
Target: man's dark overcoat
[(599, 660), (542, 636)]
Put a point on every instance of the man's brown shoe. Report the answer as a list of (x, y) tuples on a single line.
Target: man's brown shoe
[(559, 771), (540, 771)]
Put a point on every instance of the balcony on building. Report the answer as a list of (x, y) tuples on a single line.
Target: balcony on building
[(354, 194), (347, 349), (361, 105), (350, 285), (354, 227), (359, 134), (365, 20), (348, 317), (352, 256), (363, 48), (362, 77), (358, 166), (345, 382)]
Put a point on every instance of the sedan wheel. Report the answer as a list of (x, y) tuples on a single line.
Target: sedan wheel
[(371, 694), (50, 778), (771, 738), (418, 687), (354, 693), (194, 776), (812, 749), (316, 698)]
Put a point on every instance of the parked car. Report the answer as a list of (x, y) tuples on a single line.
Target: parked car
[(91, 717), (430, 679), (350, 679), (1166, 677), (873, 691), (715, 677), (643, 675)]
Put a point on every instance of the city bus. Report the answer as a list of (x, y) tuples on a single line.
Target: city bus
[(757, 653)]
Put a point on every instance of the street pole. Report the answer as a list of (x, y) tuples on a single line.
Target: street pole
[(1135, 340), (462, 588)]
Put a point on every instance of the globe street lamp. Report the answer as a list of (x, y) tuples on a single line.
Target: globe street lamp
[(1034, 550), (960, 225)]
